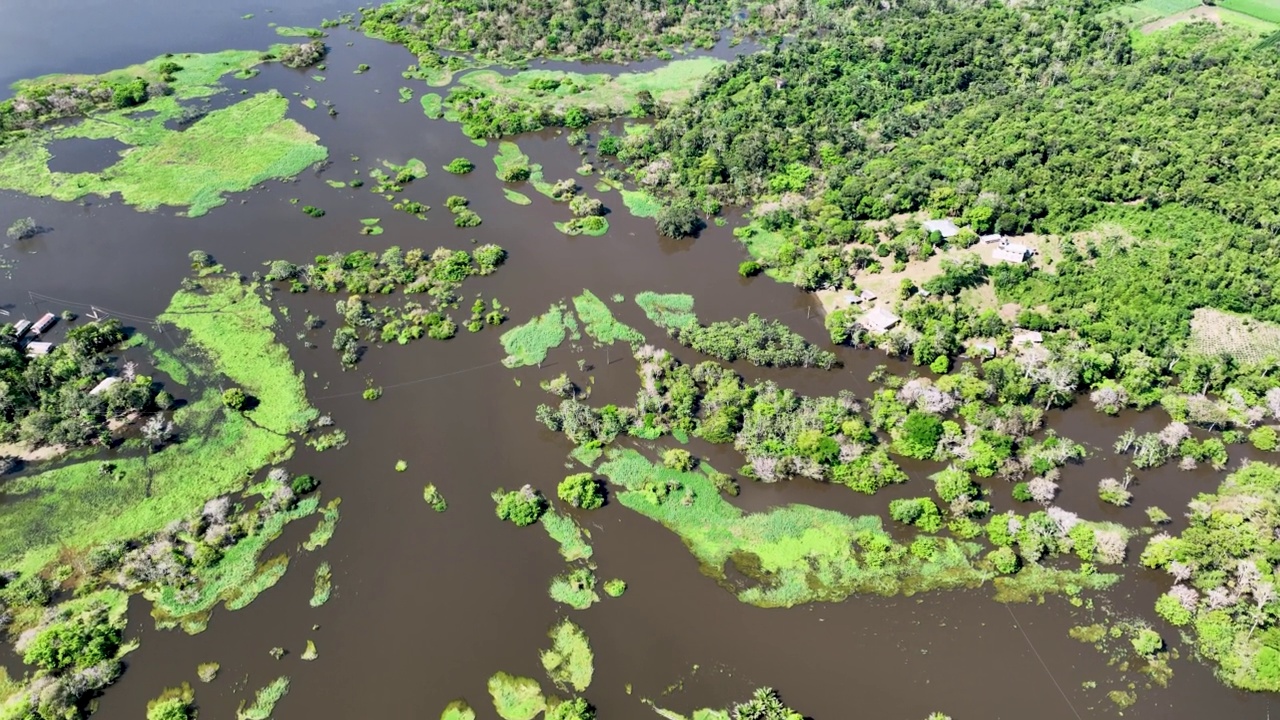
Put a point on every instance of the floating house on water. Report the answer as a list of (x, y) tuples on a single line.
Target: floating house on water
[(45, 322)]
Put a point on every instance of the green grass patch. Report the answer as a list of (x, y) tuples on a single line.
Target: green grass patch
[(229, 322), (264, 700), (600, 93), (599, 323), (458, 710), (235, 580), (594, 226), (1146, 11), (1248, 22), (323, 532), (76, 506), (576, 588), (323, 585), (516, 698), (761, 244), (529, 343), (668, 310), (293, 31), (432, 105), (433, 498), (518, 198), (792, 554), (570, 536), (586, 454), (229, 150), (1268, 10), (640, 203), (569, 663), (405, 94)]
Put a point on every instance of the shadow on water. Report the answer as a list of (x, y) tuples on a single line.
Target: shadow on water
[(427, 606)]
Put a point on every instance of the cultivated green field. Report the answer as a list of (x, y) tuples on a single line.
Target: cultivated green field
[(1268, 10), (1145, 11)]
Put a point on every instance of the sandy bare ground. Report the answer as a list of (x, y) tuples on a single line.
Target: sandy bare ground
[(885, 284)]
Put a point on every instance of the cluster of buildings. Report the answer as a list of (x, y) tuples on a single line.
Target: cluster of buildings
[(878, 320), (26, 332)]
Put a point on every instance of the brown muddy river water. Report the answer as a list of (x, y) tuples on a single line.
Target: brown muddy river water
[(427, 606)]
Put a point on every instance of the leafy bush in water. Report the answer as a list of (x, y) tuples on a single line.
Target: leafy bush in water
[(677, 220), (582, 491), (921, 512), (303, 54), (522, 507), (767, 343), (460, 166), (918, 436), (235, 398)]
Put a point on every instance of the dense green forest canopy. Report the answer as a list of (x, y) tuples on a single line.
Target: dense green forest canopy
[(1042, 112), (605, 29)]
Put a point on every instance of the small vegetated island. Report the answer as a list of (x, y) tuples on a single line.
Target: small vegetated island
[(212, 151), (150, 471)]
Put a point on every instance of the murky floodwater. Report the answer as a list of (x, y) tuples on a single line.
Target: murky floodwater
[(427, 606)]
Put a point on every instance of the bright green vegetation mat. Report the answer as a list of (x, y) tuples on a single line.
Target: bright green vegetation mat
[(324, 529), (511, 156), (291, 31), (518, 198), (640, 203), (432, 105), (230, 323), (570, 536), (576, 588), (668, 310), (569, 663), (264, 700), (516, 698), (458, 710), (323, 585), (529, 343), (174, 702), (71, 508), (593, 226), (797, 553), (586, 454), (229, 150), (599, 323), (235, 580)]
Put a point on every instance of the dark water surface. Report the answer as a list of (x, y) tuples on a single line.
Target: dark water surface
[(427, 606)]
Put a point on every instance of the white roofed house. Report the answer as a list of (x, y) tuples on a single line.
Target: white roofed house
[(943, 227), (878, 320), (1011, 252), (988, 239), (105, 385)]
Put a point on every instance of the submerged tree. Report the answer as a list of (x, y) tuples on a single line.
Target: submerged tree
[(23, 229)]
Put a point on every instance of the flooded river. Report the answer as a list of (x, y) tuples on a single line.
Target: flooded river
[(427, 606)]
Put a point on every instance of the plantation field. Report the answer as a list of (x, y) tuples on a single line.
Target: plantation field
[(1146, 11), (1268, 10)]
